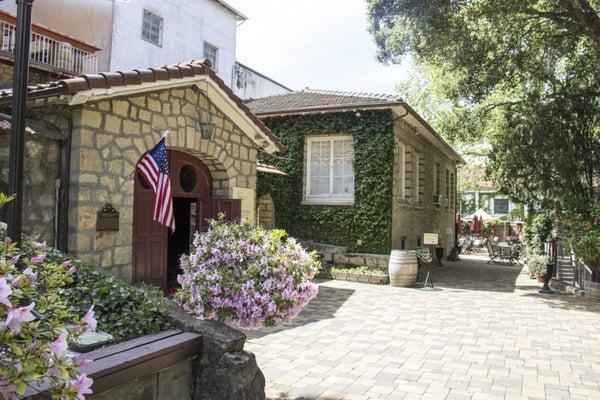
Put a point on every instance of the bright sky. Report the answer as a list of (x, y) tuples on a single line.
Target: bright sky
[(321, 44)]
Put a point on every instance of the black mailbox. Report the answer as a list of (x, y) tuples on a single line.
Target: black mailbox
[(107, 219)]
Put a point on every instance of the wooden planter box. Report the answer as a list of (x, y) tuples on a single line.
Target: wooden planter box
[(136, 361)]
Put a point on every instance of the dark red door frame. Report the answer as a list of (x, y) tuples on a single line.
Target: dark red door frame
[(150, 239)]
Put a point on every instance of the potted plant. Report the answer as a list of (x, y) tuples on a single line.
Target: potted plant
[(537, 265), (423, 256)]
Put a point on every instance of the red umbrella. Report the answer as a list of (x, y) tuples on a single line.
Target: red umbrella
[(475, 228)]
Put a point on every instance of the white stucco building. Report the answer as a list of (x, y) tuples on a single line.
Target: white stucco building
[(139, 33), (248, 83)]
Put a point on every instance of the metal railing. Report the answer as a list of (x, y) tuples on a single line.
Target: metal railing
[(45, 50), (562, 258)]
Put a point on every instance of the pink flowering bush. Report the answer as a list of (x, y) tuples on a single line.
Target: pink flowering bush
[(246, 274), (35, 328)]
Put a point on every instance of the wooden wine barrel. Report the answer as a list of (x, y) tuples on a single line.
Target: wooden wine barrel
[(403, 268)]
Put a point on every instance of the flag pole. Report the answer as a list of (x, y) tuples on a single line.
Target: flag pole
[(165, 134)]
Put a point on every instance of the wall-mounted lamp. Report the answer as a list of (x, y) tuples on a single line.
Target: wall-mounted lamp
[(206, 130)]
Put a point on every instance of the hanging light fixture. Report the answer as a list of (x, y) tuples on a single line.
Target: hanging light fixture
[(207, 128)]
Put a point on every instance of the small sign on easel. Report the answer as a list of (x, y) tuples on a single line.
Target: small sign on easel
[(429, 239)]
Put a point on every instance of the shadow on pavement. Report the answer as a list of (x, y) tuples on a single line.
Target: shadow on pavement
[(475, 274), (567, 301), (324, 306)]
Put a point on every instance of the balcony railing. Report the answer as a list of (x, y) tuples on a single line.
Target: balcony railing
[(60, 55)]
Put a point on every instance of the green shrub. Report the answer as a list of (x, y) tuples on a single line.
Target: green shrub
[(537, 230), (584, 239), (123, 310), (537, 264), (424, 255)]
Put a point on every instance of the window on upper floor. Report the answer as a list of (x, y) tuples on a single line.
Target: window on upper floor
[(501, 206), (152, 27), (211, 53), (329, 170)]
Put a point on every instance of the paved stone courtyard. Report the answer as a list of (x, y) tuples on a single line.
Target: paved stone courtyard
[(484, 333)]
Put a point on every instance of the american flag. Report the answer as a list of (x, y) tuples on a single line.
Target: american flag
[(154, 168)]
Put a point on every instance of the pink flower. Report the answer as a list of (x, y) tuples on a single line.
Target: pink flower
[(82, 385), (89, 320), (5, 292), (7, 240), (15, 260), (38, 259), (59, 346), (17, 315), (82, 362), (71, 271), (31, 276)]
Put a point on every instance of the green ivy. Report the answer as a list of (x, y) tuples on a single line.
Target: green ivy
[(123, 310), (369, 219)]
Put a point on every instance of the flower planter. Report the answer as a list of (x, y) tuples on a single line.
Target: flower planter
[(592, 290), (375, 279)]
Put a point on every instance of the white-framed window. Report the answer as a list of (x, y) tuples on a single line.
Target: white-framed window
[(211, 53), (402, 171), (329, 170), (416, 177), (152, 26)]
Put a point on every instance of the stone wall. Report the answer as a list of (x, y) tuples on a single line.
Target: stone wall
[(416, 214), (338, 255), (110, 136), (41, 170), (266, 212), (173, 383)]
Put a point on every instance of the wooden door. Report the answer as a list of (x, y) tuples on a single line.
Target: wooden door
[(211, 208), (150, 239)]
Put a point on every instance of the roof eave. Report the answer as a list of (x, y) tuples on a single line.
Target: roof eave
[(327, 109), (445, 145)]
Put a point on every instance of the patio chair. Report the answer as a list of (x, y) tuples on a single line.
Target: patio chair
[(493, 252), (506, 253)]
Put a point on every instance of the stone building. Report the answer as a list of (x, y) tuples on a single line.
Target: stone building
[(85, 137), (364, 171)]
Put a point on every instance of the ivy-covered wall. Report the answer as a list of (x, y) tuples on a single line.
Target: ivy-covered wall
[(362, 227)]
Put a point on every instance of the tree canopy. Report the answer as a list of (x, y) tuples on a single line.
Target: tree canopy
[(521, 74)]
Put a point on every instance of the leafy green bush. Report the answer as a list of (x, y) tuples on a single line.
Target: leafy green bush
[(584, 238), (488, 226), (123, 310), (537, 264), (537, 230), (423, 255)]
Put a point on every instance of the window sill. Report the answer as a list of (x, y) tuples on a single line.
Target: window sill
[(328, 202)]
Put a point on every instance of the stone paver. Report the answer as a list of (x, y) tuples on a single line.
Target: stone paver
[(485, 333)]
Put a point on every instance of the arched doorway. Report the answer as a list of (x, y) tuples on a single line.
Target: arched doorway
[(156, 251)]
